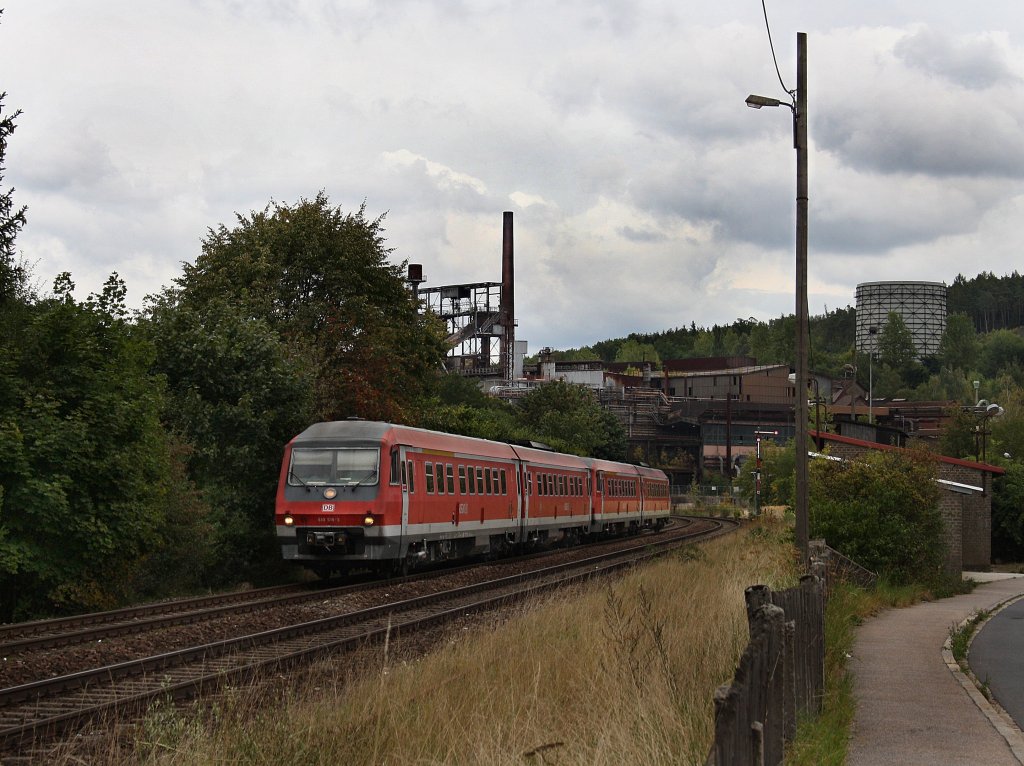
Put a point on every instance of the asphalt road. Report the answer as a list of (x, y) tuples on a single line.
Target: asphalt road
[(997, 658)]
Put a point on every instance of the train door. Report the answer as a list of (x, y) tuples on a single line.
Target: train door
[(525, 490), (407, 484), (591, 505)]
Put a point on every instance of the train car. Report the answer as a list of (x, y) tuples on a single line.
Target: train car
[(362, 494), (556, 492), (656, 496)]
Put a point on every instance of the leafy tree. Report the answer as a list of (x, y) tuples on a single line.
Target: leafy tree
[(882, 511), (321, 279), (632, 350), (704, 344), (489, 422), (11, 219), (959, 345), (236, 396), (1008, 514), (778, 475), (85, 466), (1002, 350), (895, 343), (958, 437), (569, 418), (1007, 429)]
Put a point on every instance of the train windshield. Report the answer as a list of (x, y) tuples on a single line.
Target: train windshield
[(347, 466)]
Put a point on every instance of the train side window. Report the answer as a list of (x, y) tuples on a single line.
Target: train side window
[(462, 479), (395, 473), (430, 478), (404, 482), (540, 484), (450, 475), (494, 481), (487, 479), (529, 483), (480, 481), (439, 475), (412, 478), (504, 483), (561, 484)]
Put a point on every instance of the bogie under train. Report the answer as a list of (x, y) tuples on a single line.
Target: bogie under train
[(361, 494)]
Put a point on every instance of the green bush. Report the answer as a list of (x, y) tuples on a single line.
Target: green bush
[(882, 511)]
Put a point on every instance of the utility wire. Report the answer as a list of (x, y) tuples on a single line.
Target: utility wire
[(792, 94)]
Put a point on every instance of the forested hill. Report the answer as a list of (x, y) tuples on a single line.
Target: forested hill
[(990, 302), (993, 303)]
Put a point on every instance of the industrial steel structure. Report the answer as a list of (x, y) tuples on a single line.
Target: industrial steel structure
[(921, 305), (479, 316)]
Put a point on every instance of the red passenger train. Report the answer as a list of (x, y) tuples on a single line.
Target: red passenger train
[(357, 494)]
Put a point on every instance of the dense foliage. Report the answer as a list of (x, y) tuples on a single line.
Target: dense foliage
[(882, 511), (321, 280), (565, 417), (91, 490)]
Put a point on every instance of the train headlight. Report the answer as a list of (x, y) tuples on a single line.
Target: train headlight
[(330, 493), (288, 520), (368, 520)]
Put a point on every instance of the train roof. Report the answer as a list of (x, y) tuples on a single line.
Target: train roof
[(371, 431), (376, 432)]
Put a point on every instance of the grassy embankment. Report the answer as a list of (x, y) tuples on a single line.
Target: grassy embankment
[(613, 673)]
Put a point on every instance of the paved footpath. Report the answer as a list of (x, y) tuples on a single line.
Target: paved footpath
[(914, 706)]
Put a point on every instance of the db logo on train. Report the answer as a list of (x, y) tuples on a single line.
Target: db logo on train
[(328, 507)]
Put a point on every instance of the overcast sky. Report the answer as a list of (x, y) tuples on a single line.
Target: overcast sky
[(646, 195)]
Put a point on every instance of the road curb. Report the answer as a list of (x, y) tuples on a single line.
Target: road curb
[(993, 711)]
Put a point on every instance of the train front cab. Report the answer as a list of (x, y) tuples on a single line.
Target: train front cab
[(337, 508)]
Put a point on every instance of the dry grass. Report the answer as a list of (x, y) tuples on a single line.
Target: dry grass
[(610, 674)]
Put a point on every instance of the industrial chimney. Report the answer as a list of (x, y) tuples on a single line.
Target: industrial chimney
[(507, 313)]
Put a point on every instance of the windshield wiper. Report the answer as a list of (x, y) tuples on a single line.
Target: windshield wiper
[(369, 475), (293, 475)]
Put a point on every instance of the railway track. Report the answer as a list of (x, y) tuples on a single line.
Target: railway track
[(33, 712), (97, 626)]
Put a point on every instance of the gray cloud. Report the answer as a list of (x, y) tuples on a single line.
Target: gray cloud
[(646, 195), (974, 63)]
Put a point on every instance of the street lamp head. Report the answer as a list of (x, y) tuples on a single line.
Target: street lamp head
[(756, 102)]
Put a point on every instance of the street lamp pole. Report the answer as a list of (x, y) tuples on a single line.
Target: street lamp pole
[(800, 115), (799, 107), (872, 332)]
